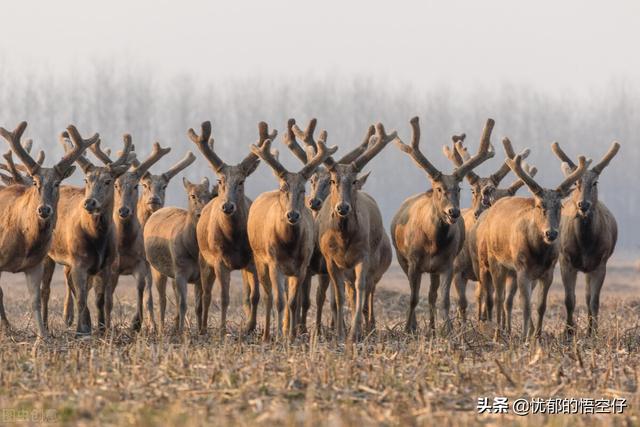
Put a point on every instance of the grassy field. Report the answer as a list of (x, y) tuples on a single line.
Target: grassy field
[(390, 378)]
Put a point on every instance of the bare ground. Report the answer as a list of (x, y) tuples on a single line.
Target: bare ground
[(391, 378)]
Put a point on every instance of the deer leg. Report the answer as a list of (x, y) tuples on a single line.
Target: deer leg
[(321, 296), (100, 300), (415, 277), (595, 280), (479, 296), (543, 289), (524, 287), (487, 300), (48, 266), (68, 298), (139, 276), (512, 287), (290, 325), (34, 280), (3, 316), (252, 291), (360, 295), (277, 288), (181, 299), (176, 297), (433, 299), (337, 280), (371, 317), (160, 281), (445, 298), (149, 302), (460, 284), (207, 277), (569, 276), (304, 302), (223, 276), (265, 282), (79, 281), (197, 302)]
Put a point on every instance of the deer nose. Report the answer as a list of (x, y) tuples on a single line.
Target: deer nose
[(154, 200), (44, 211), (124, 212), (315, 204), (343, 209), (293, 217), (90, 205), (584, 206), (228, 208), (454, 213), (551, 235)]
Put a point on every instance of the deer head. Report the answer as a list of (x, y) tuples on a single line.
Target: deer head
[(344, 180), (292, 184), (483, 189), (154, 187), (99, 181), (548, 202), (321, 179), (230, 177), (198, 196), (586, 194), (45, 180), (126, 185), (446, 188)]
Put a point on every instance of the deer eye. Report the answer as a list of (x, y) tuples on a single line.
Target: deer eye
[(439, 190), (193, 196), (136, 187), (595, 183), (107, 182), (332, 182), (241, 182)]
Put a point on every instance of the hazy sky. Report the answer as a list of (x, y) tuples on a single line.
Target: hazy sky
[(554, 45)]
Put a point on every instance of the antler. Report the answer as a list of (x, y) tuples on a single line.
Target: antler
[(504, 168), (485, 152), (381, 141), (583, 164), (516, 166), (290, 139), (518, 183), (188, 159), (156, 154), (75, 146), (11, 168), (13, 138), (414, 150), (322, 154), (615, 146), (264, 152), (459, 154), (307, 137), (249, 163), (352, 155), (205, 143), (555, 147)]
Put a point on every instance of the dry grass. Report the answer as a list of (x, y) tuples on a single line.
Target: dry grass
[(389, 379)]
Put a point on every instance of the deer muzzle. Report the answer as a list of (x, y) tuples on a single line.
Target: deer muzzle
[(584, 206), (228, 208), (293, 217), (45, 211), (315, 204), (124, 212), (343, 209), (550, 235), (90, 205)]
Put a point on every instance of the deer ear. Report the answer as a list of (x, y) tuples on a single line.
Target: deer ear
[(566, 169), (186, 182), (252, 167), (70, 170), (362, 180)]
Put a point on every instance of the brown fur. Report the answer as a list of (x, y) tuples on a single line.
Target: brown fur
[(29, 215), (587, 239), (427, 231), (518, 241), (171, 247)]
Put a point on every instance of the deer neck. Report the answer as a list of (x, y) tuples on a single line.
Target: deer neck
[(231, 225), (97, 225), (143, 212), (288, 233)]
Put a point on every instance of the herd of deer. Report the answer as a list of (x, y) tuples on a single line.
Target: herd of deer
[(284, 237)]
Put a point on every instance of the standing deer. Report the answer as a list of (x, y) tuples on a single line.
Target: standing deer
[(29, 214), (427, 231), (84, 240), (154, 188), (222, 230), (281, 234), (484, 192), (171, 247), (588, 234), (351, 235), (130, 244), (320, 183), (517, 242)]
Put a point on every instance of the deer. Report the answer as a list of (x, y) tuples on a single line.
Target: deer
[(319, 190), (130, 245), (29, 216), (428, 231), (84, 240), (154, 188), (351, 236), (517, 244), (484, 192), (171, 246), (222, 229), (282, 236), (588, 235)]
